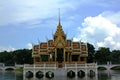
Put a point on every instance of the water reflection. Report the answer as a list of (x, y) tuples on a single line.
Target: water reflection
[(109, 75), (11, 75), (64, 78), (103, 75)]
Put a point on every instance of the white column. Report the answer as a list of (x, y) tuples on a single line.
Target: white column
[(34, 71), (76, 69), (86, 69), (44, 68), (96, 71)]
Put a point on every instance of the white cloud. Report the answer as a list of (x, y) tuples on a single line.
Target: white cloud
[(10, 48), (18, 11), (29, 46), (101, 44), (101, 30), (112, 16)]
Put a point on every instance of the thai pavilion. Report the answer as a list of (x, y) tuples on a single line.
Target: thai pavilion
[(60, 50)]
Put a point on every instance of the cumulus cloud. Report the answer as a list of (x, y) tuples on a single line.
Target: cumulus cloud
[(10, 48), (29, 46), (101, 30), (112, 16)]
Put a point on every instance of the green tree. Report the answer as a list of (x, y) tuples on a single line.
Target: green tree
[(23, 56), (91, 53), (115, 56), (102, 55), (7, 58)]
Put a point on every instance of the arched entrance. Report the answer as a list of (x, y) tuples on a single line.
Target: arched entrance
[(60, 52)]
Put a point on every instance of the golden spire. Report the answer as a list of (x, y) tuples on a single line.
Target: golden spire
[(59, 27), (59, 17), (59, 31), (59, 36)]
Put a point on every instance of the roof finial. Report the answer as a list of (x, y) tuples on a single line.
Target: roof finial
[(59, 16)]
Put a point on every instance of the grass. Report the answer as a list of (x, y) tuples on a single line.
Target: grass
[(101, 68), (116, 68), (19, 69)]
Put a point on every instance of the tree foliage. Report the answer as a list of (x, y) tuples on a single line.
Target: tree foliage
[(102, 55), (21, 56), (4, 56), (115, 56), (91, 53)]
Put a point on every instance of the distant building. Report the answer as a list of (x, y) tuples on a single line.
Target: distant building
[(60, 50)]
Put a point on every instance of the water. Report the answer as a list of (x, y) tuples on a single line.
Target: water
[(103, 75), (11, 75)]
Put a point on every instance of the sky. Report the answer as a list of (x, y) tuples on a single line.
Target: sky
[(26, 22)]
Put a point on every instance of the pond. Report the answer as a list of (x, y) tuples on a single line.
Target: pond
[(102, 75)]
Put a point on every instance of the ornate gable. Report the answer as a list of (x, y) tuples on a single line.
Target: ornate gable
[(36, 47), (43, 46), (76, 45), (50, 43), (83, 48), (68, 43), (59, 37), (59, 32), (59, 42)]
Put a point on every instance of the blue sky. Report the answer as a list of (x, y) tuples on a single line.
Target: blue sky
[(23, 22)]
